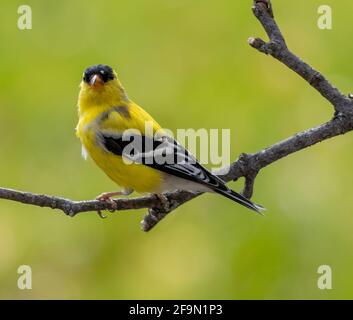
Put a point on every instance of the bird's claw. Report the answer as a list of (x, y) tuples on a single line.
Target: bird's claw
[(107, 199), (101, 215)]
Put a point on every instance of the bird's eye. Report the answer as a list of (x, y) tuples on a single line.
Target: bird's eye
[(102, 72)]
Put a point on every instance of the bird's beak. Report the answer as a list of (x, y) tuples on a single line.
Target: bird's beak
[(96, 81)]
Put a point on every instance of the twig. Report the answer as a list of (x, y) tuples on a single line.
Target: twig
[(248, 165), (278, 49)]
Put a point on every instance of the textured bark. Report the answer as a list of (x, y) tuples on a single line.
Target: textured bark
[(247, 165)]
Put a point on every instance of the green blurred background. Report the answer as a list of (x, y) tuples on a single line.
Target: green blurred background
[(187, 63)]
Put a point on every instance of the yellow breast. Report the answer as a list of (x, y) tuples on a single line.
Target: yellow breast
[(135, 176)]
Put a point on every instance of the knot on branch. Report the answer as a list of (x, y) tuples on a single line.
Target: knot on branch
[(316, 78), (68, 208), (246, 165), (343, 120)]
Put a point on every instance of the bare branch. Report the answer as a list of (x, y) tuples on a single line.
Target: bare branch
[(72, 208), (248, 165), (278, 49)]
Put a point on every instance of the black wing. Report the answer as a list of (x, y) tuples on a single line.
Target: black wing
[(163, 154)]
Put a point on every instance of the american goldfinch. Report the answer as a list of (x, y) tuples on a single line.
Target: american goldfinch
[(105, 113)]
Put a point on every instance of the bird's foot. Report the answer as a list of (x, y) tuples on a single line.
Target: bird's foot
[(107, 198)]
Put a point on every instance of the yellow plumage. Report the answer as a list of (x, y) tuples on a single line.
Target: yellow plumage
[(93, 102), (106, 113)]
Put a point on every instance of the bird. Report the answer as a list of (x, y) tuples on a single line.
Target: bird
[(105, 115)]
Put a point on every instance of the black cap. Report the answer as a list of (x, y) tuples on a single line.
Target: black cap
[(104, 71)]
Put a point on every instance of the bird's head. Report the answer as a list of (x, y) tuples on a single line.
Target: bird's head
[(100, 86), (98, 76)]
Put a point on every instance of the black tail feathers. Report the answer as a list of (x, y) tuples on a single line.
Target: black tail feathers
[(232, 195)]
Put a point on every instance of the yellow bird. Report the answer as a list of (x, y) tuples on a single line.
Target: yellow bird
[(106, 114)]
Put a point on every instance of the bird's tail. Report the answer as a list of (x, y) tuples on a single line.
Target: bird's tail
[(232, 195)]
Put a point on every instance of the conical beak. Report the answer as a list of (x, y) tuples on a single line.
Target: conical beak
[(96, 81)]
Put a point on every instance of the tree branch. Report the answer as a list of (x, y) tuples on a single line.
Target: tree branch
[(248, 165), (278, 49)]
